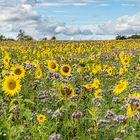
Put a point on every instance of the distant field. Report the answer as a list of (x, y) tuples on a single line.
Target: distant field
[(70, 90)]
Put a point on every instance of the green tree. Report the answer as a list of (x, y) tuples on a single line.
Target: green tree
[(53, 38), (23, 37), (121, 37), (2, 37)]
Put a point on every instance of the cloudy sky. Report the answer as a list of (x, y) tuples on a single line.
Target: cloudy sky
[(70, 19)]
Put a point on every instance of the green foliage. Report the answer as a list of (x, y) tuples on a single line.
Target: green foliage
[(124, 37), (23, 37), (121, 37), (2, 38), (82, 116), (53, 38)]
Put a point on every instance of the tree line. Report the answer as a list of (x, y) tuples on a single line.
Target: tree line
[(22, 36), (124, 37)]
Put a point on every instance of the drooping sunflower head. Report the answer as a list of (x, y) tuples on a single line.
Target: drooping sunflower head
[(65, 70), (133, 104), (66, 91), (120, 87), (98, 93), (41, 118), (11, 85), (52, 66), (18, 71)]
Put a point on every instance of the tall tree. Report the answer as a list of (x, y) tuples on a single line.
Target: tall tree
[(2, 37)]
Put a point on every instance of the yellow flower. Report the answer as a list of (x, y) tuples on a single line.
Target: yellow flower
[(41, 118), (11, 85), (18, 71), (38, 73), (99, 68), (95, 83), (122, 55), (98, 93), (121, 71), (6, 60), (91, 57), (65, 70), (125, 61), (94, 71), (79, 70), (66, 90), (129, 110), (134, 95), (119, 88), (62, 59), (69, 59), (132, 108), (109, 70), (88, 86), (52, 66)]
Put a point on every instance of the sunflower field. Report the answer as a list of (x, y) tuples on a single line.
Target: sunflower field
[(70, 90)]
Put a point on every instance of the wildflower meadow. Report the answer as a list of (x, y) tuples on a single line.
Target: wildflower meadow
[(70, 90)]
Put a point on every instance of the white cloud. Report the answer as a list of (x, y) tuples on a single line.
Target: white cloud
[(123, 25), (20, 14)]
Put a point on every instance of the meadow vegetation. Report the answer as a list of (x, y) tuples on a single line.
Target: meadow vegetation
[(70, 90)]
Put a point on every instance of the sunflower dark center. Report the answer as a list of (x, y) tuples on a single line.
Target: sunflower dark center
[(53, 65), (12, 85), (66, 91), (17, 71), (41, 118), (66, 69)]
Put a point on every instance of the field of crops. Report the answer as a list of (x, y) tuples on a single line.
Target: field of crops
[(70, 90)]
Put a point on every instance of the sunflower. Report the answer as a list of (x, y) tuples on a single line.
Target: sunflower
[(96, 83), (121, 71), (133, 107), (88, 86), (38, 73), (119, 88), (41, 118), (122, 55), (79, 70), (125, 61), (130, 112), (66, 90), (11, 85), (109, 70), (18, 71), (65, 70), (70, 59), (6, 60), (62, 59), (52, 66), (98, 93), (91, 57)]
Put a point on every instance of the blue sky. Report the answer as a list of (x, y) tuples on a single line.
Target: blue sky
[(70, 19), (90, 12)]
